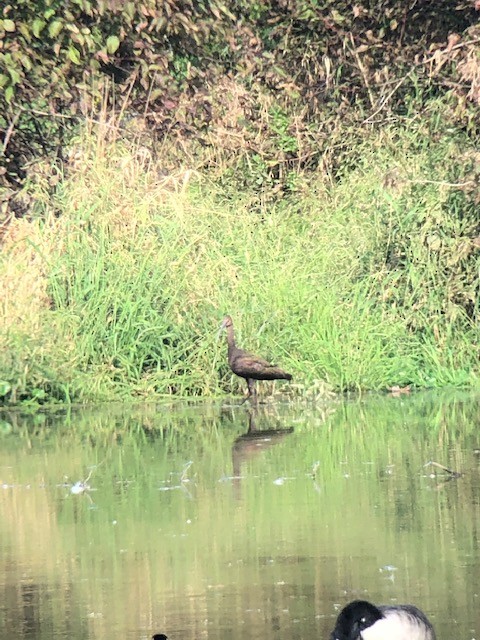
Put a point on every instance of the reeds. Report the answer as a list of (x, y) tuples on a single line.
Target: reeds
[(360, 282)]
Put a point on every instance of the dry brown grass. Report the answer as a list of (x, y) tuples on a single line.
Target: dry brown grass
[(23, 276)]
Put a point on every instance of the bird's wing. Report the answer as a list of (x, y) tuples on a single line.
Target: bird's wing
[(253, 363)]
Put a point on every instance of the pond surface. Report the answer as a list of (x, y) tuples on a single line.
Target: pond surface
[(215, 522)]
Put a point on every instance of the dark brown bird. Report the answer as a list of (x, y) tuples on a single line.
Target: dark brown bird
[(248, 366)]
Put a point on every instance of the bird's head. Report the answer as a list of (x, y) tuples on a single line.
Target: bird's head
[(226, 322), (227, 325), (355, 618)]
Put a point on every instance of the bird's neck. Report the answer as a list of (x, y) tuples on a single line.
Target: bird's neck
[(230, 339)]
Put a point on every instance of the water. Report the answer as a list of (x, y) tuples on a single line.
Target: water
[(122, 522)]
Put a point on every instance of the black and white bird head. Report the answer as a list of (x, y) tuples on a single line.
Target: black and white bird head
[(362, 620)]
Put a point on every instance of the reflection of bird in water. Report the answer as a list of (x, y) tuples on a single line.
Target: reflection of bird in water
[(250, 444), (361, 620), (248, 366)]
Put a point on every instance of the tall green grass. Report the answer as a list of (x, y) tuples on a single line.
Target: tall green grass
[(362, 281)]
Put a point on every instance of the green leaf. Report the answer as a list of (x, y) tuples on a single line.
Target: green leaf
[(54, 28), (79, 38), (112, 44), (9, 94), (9, 25), (74, 55), (87, 7), (14, 75), (49, 13), (3, 80), (5, 387), (129, 10), (25, 31), (5, 427), (26, 63), (37, 26)]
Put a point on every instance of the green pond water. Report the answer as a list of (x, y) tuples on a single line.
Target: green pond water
[(210, 521)]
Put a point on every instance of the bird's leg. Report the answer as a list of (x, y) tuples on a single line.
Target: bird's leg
[(248, 394), (252, 425), (252, 390)]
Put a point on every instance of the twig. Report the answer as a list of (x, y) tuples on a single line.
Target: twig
[(418, 64), (9, 132), (64, 116), (460, 45), (89, 476), (440, 182), (385, 100), (454, 474), (363, 72), (126, 98), (183, 477), (404, 21), (37, 112)]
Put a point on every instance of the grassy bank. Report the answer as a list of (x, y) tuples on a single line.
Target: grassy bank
[(116, 285)]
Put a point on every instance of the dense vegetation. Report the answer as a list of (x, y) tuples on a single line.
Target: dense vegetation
[(311, 168), (275, 79)]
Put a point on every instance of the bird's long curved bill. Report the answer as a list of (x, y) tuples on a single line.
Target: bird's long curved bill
[(220, 330)]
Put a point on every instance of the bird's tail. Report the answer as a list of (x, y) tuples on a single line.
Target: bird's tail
[(280, 374)]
